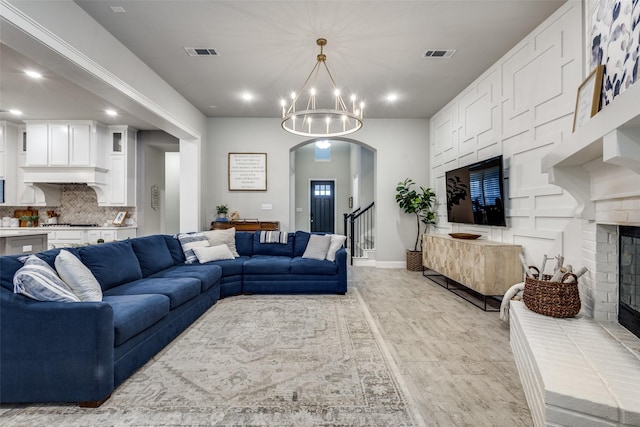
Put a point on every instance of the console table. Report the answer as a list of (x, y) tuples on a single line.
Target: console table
[(246, 225), (485, 267)]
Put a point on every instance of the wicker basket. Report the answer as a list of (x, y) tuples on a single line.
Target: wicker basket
[(414, 260), (555, 299)]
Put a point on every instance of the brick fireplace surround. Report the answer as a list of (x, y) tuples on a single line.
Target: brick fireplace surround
[(586, 370)]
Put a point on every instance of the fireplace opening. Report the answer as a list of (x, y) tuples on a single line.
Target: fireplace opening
[(629, 279)]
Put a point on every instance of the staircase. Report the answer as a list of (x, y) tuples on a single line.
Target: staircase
[(359, 227)]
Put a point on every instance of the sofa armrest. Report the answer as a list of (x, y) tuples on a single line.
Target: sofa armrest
[(55, 352), (341, 260)]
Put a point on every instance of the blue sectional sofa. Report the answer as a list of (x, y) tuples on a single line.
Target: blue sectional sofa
[(81, 351)]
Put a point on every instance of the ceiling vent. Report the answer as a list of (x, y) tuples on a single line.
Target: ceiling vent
[(438, 53), (201, 51)]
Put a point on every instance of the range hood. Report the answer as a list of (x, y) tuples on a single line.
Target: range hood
[(46, 181)]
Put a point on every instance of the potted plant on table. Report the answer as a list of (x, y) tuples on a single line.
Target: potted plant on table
[(419, 203), (222, 211)]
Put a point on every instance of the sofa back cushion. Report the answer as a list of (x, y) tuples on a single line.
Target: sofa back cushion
[(277, 249), (9, 264), (244, 243), (153, 254), (301, 241), (49, 256), (112, 263), (175, 248)]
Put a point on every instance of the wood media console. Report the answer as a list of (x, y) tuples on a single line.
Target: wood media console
[(476, 270)]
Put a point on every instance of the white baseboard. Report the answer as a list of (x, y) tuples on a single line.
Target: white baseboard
[(391, 264)]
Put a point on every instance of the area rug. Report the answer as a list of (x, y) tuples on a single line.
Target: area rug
[(301, 360)]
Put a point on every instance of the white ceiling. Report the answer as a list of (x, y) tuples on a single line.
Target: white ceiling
[(268, 48)]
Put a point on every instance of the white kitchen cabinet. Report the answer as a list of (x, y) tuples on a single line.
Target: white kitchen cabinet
[(110, 235), (61, 237), (64, 143), (66, 238), (80, 145), (37, 144), (58, 145), (122, 166)]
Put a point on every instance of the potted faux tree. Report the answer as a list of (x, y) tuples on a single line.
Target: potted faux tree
[(419, 203), (222, 211)]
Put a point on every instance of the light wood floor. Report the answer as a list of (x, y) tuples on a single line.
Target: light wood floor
[(455, 359)]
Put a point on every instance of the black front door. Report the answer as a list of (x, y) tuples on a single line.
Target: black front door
[(322, 206)]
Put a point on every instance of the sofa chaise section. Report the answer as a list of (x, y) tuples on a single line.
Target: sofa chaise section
[(79, 352)]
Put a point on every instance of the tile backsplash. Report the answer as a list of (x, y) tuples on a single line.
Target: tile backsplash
[(78, 205)]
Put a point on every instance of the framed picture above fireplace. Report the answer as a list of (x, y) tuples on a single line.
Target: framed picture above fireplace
[(588, 98)]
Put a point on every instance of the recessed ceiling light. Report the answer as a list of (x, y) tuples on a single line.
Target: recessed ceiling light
[(247, 96), (33, 74), (16, 112), (392, 97), (111, 112), (117, 9)]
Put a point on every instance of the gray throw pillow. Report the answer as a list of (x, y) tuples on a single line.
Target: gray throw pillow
[(78, 277), (223, 237), (337, 241), (317, 247)]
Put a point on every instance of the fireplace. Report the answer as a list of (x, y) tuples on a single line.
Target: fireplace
[(629, 279)]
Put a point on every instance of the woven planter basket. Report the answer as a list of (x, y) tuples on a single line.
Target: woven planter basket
[(414, 260), (553, 299)]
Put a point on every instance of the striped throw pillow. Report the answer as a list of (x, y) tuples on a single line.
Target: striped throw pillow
[(37, 280), (273, 237), (188, 241)]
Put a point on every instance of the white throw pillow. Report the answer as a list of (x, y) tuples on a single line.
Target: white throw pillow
[(78, 277), (213, 253), (223, 237), (317, 247), (189, 241), (337, 241), (37, 280)]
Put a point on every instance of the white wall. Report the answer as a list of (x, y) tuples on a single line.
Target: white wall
[(401, 147), (521, 107), (171, 200), (308, 169), (153, 176)]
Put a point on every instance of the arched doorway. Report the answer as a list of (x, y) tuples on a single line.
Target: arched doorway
[(342, 168)]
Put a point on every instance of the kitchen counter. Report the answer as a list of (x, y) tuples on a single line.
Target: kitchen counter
[(63, 227), (9, 232), (64, 236), (22, 243)]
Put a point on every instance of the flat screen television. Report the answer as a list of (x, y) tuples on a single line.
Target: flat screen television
[(475, 193)]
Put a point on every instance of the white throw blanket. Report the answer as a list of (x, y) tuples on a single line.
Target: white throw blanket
[(514, 292)]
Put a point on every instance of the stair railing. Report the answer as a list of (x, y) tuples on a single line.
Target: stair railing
[(360, 231)]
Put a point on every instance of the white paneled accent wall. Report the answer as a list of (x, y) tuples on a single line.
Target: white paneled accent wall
[(520, 108)]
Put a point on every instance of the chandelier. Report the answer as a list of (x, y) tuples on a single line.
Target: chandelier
[(326, 114)]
